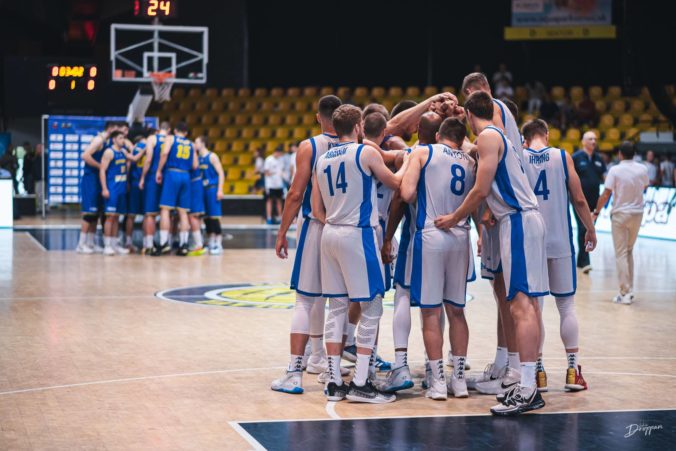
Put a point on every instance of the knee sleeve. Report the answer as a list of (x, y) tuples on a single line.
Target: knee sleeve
[(300, 322), (208, 225), (367, 331), (90, 219), (568, 326), (401, 322), (216, 226), (317, 317), (336, 320)]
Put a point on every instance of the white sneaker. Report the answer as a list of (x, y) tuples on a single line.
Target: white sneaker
[(457, 387), (437, 390), (324, 376), (291, 382), (500, 385), (396, 380), (491, 372), (84, 249), (216, 250), (121, 250), (98, 249), (317, 363), (108, 251), (449, 361), (620, 299)]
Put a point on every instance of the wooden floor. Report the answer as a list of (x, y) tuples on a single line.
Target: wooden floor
[(90, 358)]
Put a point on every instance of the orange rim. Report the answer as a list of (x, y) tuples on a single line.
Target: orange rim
[(161, 77)]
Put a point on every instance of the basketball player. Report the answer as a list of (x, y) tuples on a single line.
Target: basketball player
[(308, 315), (196, 210), (443, 255), (344, 198), (212, 173), (178, 153), (502, 183), (90, 188), (552, 176), (151, 189), (135, 195), (113, 177)]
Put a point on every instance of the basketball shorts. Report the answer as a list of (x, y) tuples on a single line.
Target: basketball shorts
[(90, 187), (212, 205), (403, 263), (562, 276), (350, 263), (175, 190), (387, 268), (523, 254), (491, 263), (117, 202), (306, 277), (135, 199), (275, 193), (196, 197), (151, 194), (440, 267)]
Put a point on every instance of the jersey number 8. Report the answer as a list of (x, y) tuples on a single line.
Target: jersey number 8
[(458, 179)]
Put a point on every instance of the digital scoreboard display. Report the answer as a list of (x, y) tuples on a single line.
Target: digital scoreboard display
[(64, 78), (159, 9)]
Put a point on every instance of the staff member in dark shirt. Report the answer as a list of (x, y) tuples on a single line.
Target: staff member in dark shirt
[(590, 168)]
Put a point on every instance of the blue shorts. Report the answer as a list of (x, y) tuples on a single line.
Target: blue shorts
[(117, 202), (175, 190), (90, 189), (211, 203), (196, 196), (151, 194), (135, 199)]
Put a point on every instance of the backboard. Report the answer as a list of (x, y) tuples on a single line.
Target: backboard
[(136, 51)]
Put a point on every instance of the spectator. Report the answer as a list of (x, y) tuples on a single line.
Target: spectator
[(590, 168), (28, 180), (503, 90), (293, 149), (585, 112), (667, 171), (567, 112), (274, 183), (626, 182), (550, 112), (536, 93), (259, 162), (502, 75), (37, 174), (652, 167)]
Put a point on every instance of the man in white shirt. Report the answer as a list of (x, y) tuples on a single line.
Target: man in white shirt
[(627, 181), (274, 182), (667, 171)]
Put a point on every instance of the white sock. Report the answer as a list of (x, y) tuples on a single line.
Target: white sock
[(572, 359), (183, 238), (107, 241), (514, 362), (459, 366), (317, 344), (295, 363), (218, 241), (350, 334), (361, 373), (91, 239), (148, 241), (127, 240), (501, 357), (437, 367), (400, 359), (197, 237), (528, 374), (334, 369), (212, 241), (83, 239), (164, 237)]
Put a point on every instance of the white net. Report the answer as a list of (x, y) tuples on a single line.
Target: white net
[(162, 83)]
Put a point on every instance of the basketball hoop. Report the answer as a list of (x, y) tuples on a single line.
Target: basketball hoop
[(162, 83)]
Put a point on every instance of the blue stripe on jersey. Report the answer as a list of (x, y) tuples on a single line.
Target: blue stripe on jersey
[(400, 267), (518, 269), (539, 151), (422, 193), (416, 268), (375, 276), (570, 227), (502, 112), (307, 197), (295, 275), (502, 176), (366, 208)]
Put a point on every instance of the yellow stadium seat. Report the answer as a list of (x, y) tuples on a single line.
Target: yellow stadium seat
[(208, 119), (325, 91), (573, 134), (612, 136), (576, 93), (178, 93), (192, 119), (315, 131), (270, 147), (389, 104), (257, 119), (237, 146), (227, 159), (227, 93), (301, 106), (214, 132), (231, 133), (267, 106), (637, 107), (277, 92), (197, 131), (520, 94), (626, 122), (275, 119), (233, 174), (201, 106), (300, 134), (248, 133), (284, 106), (293, 92), (250, 174), (234, 106), (195, 93), (185, 105), (601, 106), (595, 93), (309, 120), (360, 91), (645, 94), (614, 92), (168, 107), (527, 117), (617, 107), (558, 92), (429, 91), (396, 92), (606, 122), (224, 119), (250, 106), (260, 92), (245, 159), (220, 146), (241, 119), (289, 120), (175, 118), (211, 93), (412, 92), (378, 92), (240, 188), (606, 147), (567, 146), (632, 133), (282, 133), (265, 133), (309, 91), (244, 92), (645, 118), (554, 136), (343, 92)]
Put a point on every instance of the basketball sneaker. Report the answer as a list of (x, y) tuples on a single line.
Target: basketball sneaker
[(368, 393), (397, 379), (491, 372), (622, 299), (147, 251), (541, 380), (121, 250), (317, 363), (324, 376), (500, 385), (382, 365), (84, 249), (350, 353), (335, 392), (197, 252), (449, 361), (109, 251), (574, 379), (97, 249), (437, 390), (520, 400), (291, 382), (183, 250), (216, 250), (457, 387)]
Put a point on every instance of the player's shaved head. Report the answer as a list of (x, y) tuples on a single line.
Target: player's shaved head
[(181, 127), (376, 108), (536, 127), (428, 127), (374, 124), (165, 126), (480, 104), (327, 105), (476, 81), (345, 119), (453, 130), (403, 106)]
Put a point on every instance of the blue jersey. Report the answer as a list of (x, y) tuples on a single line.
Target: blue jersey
[(209, 173), (117, 169), (136, 169), (157, 151), (97, 155), (181, 154)]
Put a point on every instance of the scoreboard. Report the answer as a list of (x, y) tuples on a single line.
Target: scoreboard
[(66, 78), (67, 137)]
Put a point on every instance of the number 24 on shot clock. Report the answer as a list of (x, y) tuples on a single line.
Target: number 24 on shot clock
[(156, 8)]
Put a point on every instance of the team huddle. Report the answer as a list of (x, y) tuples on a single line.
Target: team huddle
[(159, 174), (356, 182)]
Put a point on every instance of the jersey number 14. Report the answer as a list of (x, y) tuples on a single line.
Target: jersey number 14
[(341, 183)]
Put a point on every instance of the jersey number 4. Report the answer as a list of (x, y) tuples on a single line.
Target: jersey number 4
[(541, 186), (341, 183)]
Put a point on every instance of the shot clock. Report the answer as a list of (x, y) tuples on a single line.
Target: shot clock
[(160, 9), (80, 78)]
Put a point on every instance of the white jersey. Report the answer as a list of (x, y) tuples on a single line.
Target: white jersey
[(510, 190), (320, 145), (384, 196), (548, 176), (446, 170), (348, 189), (511, 128)]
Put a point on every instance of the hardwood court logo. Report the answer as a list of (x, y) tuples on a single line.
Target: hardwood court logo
[(244, 295)]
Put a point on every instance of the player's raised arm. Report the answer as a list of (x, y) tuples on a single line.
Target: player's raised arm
[(580, 203), (408, 120), (166, 147), (93, 147), (103, 167), (318, 209), (371, 158), (409, 184), (389, 157), (216, 163)]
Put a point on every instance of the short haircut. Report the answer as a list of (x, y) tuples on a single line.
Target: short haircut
[(345, 118), (122, 124), (181, 127), (476, 80), (536, 127), (453, 129), (511, 106), (480, 104), (204, 140), (115, 134), (376, 108), (627, 150), (374, 124), (109, 124), (165, 125), (327, 105), (403, 106), (428, 126)]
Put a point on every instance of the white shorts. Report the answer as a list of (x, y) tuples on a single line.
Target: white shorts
[(440, 267), (306, 277), (380, 234), (350, 263), (402, 265), (562, 276), (491, 263), (523, 253)]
